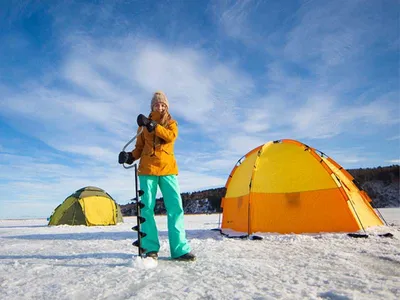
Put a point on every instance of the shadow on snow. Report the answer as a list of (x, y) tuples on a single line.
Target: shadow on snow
[(114, 236), (22, 226), (69, 257)]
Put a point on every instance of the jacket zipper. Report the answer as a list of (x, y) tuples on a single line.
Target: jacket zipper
[(154, 144)]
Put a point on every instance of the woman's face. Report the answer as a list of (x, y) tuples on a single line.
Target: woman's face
[(160, 107)]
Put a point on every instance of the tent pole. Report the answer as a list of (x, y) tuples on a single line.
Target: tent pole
[(358, 218), (380, 215), (73, 216), (248, 219)]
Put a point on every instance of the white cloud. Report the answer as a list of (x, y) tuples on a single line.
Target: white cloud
[(384, 110), (200, 90), (45, 184), (393, 138), (348, 156), (333, 34), (81, 73), (257, 120), (233, 17), (202, 181), (316, 118), (393, 161), (241, 144)]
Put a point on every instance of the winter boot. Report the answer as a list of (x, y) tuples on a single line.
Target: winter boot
[(186, 257), (152, 254)]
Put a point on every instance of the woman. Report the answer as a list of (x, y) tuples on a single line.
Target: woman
[(158, 168)]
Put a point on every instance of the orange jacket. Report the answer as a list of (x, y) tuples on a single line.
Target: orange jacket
[(157, 159)]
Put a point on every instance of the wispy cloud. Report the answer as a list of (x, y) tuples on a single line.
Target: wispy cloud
[(319, 63), (394, 161), (394, 138), (235, 18)]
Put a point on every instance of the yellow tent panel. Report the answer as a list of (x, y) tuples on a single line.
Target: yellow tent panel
[(98, 210), (287, 187)]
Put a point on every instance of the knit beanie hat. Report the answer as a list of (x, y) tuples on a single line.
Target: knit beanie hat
[(159, 96)]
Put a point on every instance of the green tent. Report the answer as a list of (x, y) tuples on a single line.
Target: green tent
[(89, 206)]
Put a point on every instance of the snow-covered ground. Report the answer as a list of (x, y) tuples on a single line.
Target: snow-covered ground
[(78, 262)]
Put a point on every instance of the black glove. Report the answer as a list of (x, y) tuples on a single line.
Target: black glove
[(144, 121), (125, 157)]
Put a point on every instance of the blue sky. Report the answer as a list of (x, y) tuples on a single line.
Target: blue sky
[(74, 75)]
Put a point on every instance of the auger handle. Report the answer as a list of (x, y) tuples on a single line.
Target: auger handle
[(127, 144)]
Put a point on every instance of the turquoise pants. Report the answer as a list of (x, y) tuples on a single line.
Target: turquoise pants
[(173, 203)]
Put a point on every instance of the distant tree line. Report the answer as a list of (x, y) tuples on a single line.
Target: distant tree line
[(385, 174), (213, 197), (209, 201), (381, 184)]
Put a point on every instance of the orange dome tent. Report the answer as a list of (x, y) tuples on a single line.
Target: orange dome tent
[(288, 187)]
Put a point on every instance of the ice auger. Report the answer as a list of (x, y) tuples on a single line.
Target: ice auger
[(139, 204)]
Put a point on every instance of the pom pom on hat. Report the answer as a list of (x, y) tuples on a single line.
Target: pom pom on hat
[(159, 96)]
